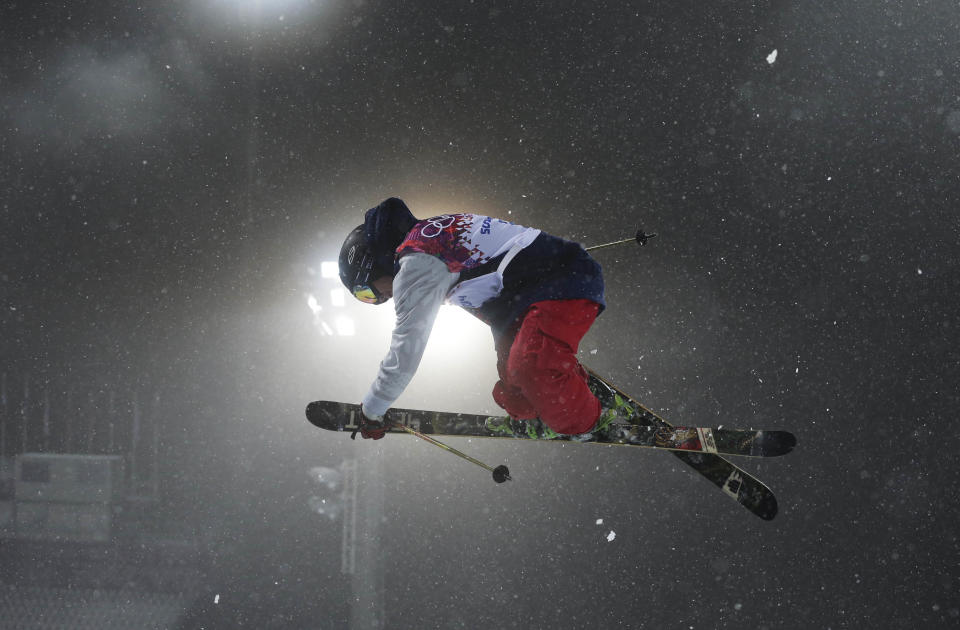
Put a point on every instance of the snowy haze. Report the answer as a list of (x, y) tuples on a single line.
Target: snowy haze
[(172, 177)]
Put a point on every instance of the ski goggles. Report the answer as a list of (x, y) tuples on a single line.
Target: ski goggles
[(368, 293), (363, 288)]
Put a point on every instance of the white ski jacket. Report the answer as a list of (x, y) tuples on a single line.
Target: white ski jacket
[(419, 288)]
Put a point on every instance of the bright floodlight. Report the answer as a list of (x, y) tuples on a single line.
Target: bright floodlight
[(329, 269), (345, 327), (338, 297), (260, 16), (455, 328), (259, 8)]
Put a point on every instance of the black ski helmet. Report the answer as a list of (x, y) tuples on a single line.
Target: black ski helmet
[(358, 269)]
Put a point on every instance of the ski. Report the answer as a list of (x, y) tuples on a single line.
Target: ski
[(336, 416), (735, 482), (699, 447)]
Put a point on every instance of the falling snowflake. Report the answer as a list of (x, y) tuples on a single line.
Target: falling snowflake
[(772, 57), (611, 536)]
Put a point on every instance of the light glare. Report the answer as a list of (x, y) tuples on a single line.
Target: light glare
[(329, 269), (345, 327)]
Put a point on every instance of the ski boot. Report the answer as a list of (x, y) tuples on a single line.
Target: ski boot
[(529, 429), (617, 416)]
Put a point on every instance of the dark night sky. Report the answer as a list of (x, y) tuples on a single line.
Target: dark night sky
[(171, 172)]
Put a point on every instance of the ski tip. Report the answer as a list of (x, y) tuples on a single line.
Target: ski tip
[(774, 443), (767, 508), (311, 412), (785, 441), (317, 414), (790, 442)]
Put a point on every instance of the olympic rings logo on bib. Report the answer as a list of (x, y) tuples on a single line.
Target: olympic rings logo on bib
[(436, 226)]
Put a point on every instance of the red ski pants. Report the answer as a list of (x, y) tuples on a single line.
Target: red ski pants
[(540, 376)]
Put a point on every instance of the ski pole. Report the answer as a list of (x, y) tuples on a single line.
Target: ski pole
[(641, 238), (500, 473)]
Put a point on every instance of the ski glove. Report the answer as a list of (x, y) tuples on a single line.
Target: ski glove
[(371, 428)]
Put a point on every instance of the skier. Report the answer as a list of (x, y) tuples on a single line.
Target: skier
[(539, 294)]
